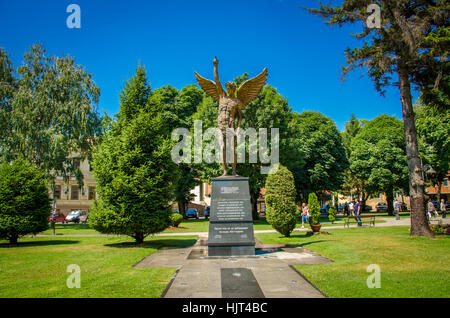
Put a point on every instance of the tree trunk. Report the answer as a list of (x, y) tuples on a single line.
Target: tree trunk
[(139, 237), (439, 195), (419, 224), (390, 202), (13, 239), (254, 199), (363, 201), (182, 208)]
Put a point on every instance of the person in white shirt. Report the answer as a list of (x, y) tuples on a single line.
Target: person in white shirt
[(443, 209), (432, 209), (350, 206)]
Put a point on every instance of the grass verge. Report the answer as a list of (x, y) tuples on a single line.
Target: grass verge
[(410, 266), (37, 267)]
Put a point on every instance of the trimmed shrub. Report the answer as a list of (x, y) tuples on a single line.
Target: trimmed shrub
[(332, 215), (314, 209), (176, 219), (280, 201), (24, 201)]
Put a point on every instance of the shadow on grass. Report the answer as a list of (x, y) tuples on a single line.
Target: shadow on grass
[(73, 226), (37, 243), (156, 243)]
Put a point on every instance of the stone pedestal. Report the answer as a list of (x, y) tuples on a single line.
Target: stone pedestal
[(231, 222)]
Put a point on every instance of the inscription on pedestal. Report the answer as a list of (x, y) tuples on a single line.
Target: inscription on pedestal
[(231, 223)]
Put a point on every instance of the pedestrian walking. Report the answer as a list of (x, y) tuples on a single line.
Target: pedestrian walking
[(351, 207), (397, 209), (357, 212), (305, 214), (443, 209), (432, 209)]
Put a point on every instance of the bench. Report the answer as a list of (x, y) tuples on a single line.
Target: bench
[(364, 219)]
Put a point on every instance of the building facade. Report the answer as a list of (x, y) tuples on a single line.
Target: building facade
[(69, 196)]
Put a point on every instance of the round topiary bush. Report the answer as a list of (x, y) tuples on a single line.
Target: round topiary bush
[(314, 209), (176, 219), (280, 201), (24, 201)]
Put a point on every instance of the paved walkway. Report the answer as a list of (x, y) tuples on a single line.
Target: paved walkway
[(267, 274)]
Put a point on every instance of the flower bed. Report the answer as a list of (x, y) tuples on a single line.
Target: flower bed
[(440, 229)]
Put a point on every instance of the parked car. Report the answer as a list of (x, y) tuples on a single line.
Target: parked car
[(73, 216), (175, 211), (207, 212), (191, 213), (324, 209), (381, 207), (367, 208), (57, 218), (83, 217)]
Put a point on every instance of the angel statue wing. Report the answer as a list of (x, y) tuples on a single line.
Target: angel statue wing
[(250, 89), (208, 86)]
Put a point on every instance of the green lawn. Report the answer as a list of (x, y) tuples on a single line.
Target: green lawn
[(410, 266), (36, 267), (186, 226)]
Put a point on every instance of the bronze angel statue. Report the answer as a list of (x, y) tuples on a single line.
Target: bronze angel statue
[(231, 104)]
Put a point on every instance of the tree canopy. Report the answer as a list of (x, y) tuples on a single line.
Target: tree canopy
[(378, 158), (323, 153), (433, 129), (24, 200), (47, 111)]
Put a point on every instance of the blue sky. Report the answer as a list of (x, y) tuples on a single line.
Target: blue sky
[(174, 38)]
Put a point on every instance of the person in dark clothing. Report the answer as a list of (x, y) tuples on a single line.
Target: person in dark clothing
[(358, 208), (346, 209)]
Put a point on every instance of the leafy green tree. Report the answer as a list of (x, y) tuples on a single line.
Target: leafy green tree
[(280, 201), (433, 129), (48, 111), (178, 108), (135, 174), (134, 95), (7, 88), (269, 110), (352, 128), (314, 208), (323, 152), (378, 157), (410, 42), (24, 200), (351, 182)]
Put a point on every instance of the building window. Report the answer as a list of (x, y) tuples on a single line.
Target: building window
[(74, 193), (445, 183), (76, 164), (57, 194), (91, 195)]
